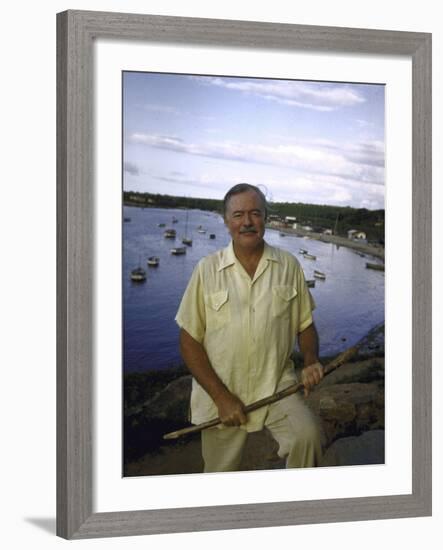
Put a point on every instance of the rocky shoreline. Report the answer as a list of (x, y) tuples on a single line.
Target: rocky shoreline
[(349, 404)]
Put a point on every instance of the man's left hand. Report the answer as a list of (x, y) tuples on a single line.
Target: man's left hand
[(311, 376)]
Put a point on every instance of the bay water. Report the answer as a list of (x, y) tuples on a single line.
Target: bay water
[(349, 302)]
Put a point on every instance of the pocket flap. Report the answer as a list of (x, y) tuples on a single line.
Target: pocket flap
[(217, 299), (286, 293)]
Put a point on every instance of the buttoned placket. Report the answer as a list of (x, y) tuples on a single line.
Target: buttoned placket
[(251, 345), (252, 332)]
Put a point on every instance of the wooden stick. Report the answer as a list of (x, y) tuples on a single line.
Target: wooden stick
[(339, 360)]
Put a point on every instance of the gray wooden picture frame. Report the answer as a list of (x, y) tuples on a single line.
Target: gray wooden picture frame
[(76, 32)]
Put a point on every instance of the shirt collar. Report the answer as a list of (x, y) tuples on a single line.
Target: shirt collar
[(229, 258)]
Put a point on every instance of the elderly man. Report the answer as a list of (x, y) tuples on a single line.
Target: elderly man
[(240, 315)]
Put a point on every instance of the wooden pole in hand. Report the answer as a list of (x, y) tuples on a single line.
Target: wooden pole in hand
[(339, 360)]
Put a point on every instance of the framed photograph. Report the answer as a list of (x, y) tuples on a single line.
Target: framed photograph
[(317, 152), (182, 109)]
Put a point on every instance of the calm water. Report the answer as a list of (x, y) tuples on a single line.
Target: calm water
[(349, 302)]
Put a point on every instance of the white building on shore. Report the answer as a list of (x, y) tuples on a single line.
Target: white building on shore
[(356, 235)]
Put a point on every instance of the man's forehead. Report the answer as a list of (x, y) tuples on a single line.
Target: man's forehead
[(245, 199)]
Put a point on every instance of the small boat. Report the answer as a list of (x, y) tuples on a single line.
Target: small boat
[(153, 261), (126, 219), (378, 267), (201, 230), (186, 240), (310, 283), (319, 274), (138, 275), (170, 234), (162, 225), (310, 256), (303, 251), (212, 236), (178, 250)]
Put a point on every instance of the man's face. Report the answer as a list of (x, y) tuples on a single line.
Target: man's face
[(245, 220)]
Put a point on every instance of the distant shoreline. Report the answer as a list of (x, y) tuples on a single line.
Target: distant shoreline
[(378, 252), (371, 250)]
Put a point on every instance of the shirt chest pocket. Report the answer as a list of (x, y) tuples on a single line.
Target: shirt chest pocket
[(218, 310), (282, 300)]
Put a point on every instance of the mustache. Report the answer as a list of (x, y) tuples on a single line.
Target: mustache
[(248, 230)]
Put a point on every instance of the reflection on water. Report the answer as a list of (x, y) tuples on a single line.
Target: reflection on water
[(349, 302)]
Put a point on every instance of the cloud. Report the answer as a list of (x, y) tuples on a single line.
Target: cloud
[(364, 123), (220, 150), (327, 190), (161, 109), (371, 153), (200, 184), (131, 168), (363, 162), (170, 110), (307, 95), (285, 187)]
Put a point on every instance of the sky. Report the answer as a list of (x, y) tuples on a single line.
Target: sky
[(299, 141)]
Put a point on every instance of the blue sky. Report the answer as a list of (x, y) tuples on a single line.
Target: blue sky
[(300, 141)]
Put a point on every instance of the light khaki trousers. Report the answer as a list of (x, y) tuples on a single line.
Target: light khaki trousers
[(291, 424)]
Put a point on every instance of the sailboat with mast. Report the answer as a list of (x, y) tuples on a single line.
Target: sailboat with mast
[(186, 240), (138, 275)]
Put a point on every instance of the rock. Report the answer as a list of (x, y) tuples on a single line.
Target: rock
[(374, 343), (172, 403), (349, 402), (348, 409), (366, 371), (167, 411), (368, 448)]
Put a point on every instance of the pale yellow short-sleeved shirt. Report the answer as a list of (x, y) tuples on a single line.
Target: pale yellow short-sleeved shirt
[(247, 326)]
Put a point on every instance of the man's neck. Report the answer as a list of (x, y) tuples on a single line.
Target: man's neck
[(249, 258)]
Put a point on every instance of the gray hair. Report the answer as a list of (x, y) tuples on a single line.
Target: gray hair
[(242, 188)]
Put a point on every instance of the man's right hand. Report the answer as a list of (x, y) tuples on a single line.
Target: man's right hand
[(230, 407), (231, 410)]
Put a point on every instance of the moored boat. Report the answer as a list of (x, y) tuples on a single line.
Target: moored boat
[(170, 234), (153, 261), (310, 283), (319, 274), (310, 256), (178, 250), (303, 251), (138, 275), (186, 240), (162, 225)]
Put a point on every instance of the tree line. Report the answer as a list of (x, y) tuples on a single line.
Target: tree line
[(339, 219)]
